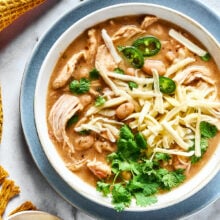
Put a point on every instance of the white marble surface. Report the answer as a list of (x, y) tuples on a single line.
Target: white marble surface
[(15, 48)]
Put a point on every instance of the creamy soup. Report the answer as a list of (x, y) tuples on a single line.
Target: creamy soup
[(133, 102)]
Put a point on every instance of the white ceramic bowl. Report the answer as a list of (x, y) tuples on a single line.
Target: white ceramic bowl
[(175, 196), (32, 215)]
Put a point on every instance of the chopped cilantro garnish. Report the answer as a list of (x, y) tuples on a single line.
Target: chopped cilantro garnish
[(206, 57), (119, 70), (172, 179), (103, 187), (132, 85), (94, 74), (121, 197), (161, 157), (84, 132), (143, 200), (204, 142), (126, 133), (208, 130), (100, 100), (146, 178), (140, 140), (72, 120), (79, 87)]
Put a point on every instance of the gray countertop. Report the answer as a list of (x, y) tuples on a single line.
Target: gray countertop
[(16, 44)]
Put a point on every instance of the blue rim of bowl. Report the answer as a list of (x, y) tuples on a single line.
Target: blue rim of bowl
[(201, 199)]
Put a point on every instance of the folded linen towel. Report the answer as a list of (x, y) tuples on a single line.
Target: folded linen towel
[(12, 9)]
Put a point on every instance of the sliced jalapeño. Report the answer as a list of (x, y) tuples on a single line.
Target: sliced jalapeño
[(149, 45), (133, 55), (167, 85)]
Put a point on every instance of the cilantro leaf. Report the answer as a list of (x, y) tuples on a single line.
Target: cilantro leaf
[(140, 140), (204, 143), (139, 184), (161, 157), (150, 189), (132, 85), (84, 132), (122, 144), (143, 200), (173, 179), (100, 100), (126, 133), (135, 184), (121, 197), (103, 187), (79, 87), (72, 120), (208, 130), (112, 156), (147, 165), (119, 70), (94, 74), (206, 57)]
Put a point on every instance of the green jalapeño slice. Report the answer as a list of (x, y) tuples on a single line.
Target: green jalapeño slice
[(133, 55), (167, 85), (149, 46)]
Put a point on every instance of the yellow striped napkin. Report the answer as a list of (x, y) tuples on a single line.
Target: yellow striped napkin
[(12, 9)]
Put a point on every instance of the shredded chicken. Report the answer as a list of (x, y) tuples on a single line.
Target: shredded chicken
[(150, 64), (127, 32), (180, 163), (93, 45), (148, 20), (110, 45), (179, 66), (198, 76), (104, 59), (192, 73), (68, 70), (63, 109), (101, 146), (105, 63), (76, 164), (99, 169)]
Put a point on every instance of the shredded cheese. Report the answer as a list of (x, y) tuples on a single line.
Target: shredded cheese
[(109, 44), (198, 135), (127, 78), (109, 82), (175, 136), (108, 104), (159, 98), (143, 112), (174, 151), (187, 43), (179, 65)]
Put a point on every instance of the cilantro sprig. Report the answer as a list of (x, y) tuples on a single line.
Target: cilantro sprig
[(94, 74), (132, 85), (146, 177), (100, 100), (72, 120), (207, 131), (79, 86)]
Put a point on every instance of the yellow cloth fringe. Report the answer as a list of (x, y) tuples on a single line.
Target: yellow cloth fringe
[(1, 116), (24, 207), (3, 174), (12, 9), (8, 191)]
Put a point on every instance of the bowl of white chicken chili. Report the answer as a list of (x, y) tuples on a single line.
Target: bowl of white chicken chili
[(127, 107)]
